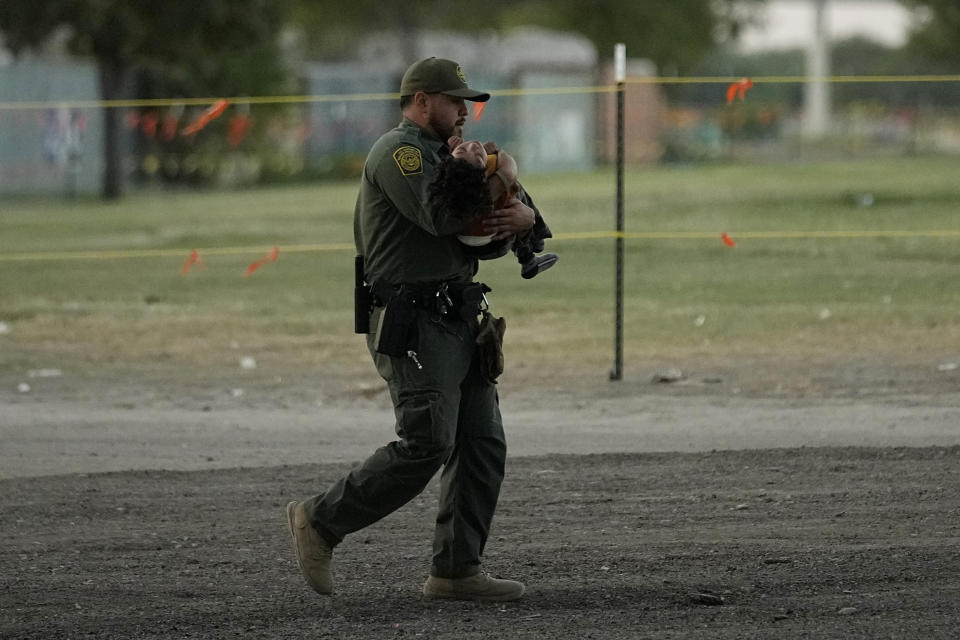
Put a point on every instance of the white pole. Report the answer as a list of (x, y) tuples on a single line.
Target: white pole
[(620, 62), (816, 98)]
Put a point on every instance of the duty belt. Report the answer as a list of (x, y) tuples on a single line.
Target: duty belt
[(442, 298)]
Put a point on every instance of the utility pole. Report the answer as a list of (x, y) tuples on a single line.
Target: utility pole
[(816, 95)]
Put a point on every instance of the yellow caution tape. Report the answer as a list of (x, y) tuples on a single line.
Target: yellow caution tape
[(165, 253), (359, 97), (583, 235), (773, 235)]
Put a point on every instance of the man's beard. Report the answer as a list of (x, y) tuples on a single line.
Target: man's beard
[(443, 130)]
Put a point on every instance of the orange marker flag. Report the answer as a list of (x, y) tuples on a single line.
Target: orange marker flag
[(168, 127), (738, 89), (727, 240), (237, 129), (478, 108), (217, 109), (132, 120), (148, 124), (212, 113), (194, 259), (270, 257)]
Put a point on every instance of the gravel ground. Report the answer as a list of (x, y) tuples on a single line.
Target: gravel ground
[(734, 503), (785, 543)]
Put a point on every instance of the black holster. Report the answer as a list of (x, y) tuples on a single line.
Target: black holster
[(396, 332), (362, 298)]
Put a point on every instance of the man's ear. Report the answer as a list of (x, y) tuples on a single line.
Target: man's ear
[(420, 99)]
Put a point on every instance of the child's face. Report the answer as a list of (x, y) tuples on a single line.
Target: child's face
[(471, 151)]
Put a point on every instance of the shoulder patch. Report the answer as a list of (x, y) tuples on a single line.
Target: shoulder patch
[(409, 160)]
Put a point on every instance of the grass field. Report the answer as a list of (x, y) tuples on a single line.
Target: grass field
[(99, 284)]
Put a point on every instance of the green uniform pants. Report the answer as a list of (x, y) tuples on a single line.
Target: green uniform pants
[(447, 416)]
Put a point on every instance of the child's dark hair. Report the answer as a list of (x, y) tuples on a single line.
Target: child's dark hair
[(461, 189)]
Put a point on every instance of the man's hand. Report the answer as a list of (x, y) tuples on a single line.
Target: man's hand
[(514, 218)]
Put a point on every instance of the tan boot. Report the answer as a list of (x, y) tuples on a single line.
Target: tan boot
[(478, 587), (313, 553)]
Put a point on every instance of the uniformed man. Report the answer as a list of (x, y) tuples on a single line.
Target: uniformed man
[(424, 320)]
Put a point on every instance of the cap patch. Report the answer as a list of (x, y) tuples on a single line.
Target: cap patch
[(409, 160), (461, 75)]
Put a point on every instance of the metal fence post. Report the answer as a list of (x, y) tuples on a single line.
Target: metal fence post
[(620, 74)]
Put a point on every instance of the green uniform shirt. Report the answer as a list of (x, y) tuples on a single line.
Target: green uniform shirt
[(401, 236)]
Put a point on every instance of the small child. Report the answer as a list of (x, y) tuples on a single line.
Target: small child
[(472, 168)]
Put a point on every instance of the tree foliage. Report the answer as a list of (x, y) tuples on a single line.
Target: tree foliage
[(675, 35), (936, 32), (174, 48), (188, 47)]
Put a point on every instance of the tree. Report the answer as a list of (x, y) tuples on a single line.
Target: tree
[(936, 31), (178, 48), (673, 34)]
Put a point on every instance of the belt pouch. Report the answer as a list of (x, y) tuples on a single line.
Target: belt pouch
[(490, 346)]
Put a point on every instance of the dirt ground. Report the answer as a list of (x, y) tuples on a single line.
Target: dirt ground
[(746, 500)]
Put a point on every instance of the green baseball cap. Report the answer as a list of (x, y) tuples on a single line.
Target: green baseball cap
[(437, 75)]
